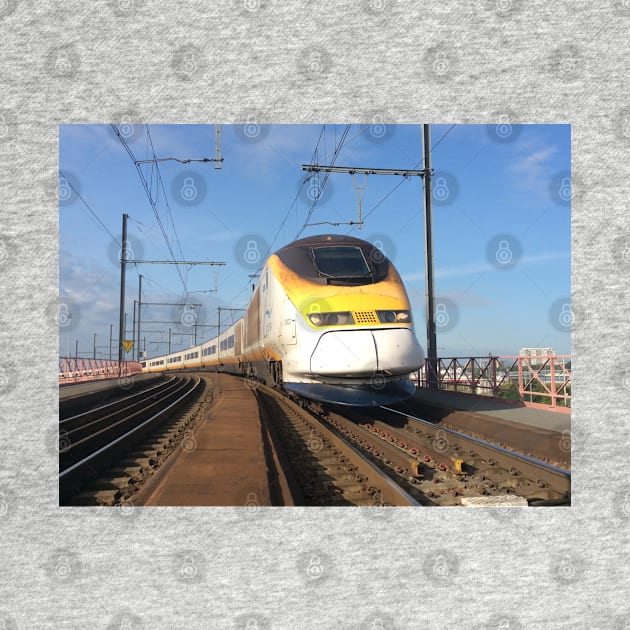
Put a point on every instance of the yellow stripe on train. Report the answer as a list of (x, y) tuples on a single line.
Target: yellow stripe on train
[(364, 300)]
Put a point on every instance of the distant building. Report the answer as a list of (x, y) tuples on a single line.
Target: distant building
[(535, 353)]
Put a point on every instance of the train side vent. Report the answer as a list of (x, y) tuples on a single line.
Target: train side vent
[(365, 317)]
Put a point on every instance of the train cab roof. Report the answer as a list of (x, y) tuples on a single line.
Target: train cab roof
[(335, 259)]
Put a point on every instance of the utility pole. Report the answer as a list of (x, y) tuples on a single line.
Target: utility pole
[(94, 347), (111, 326), (217, 147), (139, 313), (133, 334), (124, 261), (121, 319), (169, 341), (432, 380)]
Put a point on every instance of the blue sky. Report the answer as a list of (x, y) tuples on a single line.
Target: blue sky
[(501, 223)]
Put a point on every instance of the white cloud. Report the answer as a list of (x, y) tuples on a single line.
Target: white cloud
[(531, 168), (534, 164)]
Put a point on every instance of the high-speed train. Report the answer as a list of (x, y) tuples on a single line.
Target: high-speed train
[(329, 320)]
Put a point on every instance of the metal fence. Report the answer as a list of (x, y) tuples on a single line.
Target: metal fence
[(77, 370), (543, 381)]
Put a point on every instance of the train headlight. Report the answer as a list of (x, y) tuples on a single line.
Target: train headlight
[(392, 317), (342, 318), (316, 318)]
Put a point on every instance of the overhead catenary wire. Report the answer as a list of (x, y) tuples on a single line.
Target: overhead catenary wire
[(161, 182), (96, 218), (442, 137), (89, 208), (297, 194), (324, 180), (152, 202), (292, 207), (402, 181)]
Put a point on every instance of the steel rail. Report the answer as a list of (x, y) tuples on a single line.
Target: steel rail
[(335, 437), (82, 434), (111, 406), (494, 447), (69, 475)]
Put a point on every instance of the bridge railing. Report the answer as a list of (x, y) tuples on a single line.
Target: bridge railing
[(80, 370), (543, 381)]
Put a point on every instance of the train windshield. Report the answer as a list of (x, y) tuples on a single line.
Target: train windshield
[(341, 261)]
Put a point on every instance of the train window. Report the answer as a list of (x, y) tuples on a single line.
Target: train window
[(341, 261)]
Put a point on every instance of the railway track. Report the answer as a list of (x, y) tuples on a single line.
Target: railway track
[(314, 455), (102, 449), (432, 464), (322, 466), (546, 445), (452, 468)]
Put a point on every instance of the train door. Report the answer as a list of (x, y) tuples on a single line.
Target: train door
[(288, 334)]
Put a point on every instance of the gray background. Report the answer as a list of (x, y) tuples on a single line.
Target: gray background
[(301, 62)]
